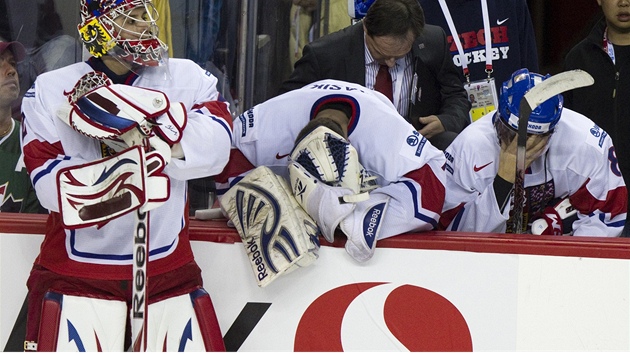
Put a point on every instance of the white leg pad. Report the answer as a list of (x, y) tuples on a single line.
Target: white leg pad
[(84, 324), (174, 327)]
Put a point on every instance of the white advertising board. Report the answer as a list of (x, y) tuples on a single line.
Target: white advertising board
[(401, 300)]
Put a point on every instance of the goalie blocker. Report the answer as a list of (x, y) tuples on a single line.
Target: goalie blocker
[(277, 234), (105, 189)]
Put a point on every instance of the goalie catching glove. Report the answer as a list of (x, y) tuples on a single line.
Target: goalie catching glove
[(332, 186), (277, 234), (327, 178), (123, 115)]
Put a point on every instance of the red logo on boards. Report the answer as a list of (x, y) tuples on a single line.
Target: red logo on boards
[(417, 318)]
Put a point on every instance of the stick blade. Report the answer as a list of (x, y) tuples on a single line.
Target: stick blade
[(556, 85)]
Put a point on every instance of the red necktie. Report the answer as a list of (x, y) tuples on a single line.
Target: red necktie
[(384, 82)]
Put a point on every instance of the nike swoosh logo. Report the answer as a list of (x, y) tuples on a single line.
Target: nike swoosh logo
[(477, 169), (499, 22), (280, 157)]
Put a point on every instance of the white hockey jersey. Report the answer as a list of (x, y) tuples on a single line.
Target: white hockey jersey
[(579, 163), (408, 167), (50, 145)]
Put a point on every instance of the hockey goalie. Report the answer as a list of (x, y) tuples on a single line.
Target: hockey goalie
[(109, 144), (349, 182)]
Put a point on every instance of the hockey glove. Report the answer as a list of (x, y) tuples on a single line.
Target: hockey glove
[(105, 189), (123, 115), (556, 220), (325, 204)]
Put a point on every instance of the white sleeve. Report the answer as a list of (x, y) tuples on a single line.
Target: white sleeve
[(44, 154), (601, 201), (480, 214), (470, 203), (207, 138), (417, 196)]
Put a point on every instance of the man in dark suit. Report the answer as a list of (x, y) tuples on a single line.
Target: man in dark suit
[(425, 87)]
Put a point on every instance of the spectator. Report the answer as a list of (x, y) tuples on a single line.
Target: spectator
[(605, 54), (567, 157), (508, 26), (91, 244), (425, 87), (16, 191), (309, 23)]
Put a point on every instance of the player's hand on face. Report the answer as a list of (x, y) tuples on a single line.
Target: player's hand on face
[(432, 126), (507, 156)]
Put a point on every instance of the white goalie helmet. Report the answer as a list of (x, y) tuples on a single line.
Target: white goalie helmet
[(330, 158), (108, 27)]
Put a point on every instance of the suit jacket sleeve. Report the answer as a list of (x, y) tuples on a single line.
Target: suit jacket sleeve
[(440, 88)]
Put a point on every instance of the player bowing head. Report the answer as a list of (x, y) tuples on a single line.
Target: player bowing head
[(123, 29), (568, 182), (542, 120)]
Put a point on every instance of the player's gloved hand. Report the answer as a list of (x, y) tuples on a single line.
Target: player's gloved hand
[(170, 125), (102, 190), (327, 178), (556, 219), (362, 226), (124, 116), (325, 204)]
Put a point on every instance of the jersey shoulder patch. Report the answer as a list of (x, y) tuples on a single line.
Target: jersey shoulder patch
[(596, 137)]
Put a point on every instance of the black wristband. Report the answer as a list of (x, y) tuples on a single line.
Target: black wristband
[(502, 190)]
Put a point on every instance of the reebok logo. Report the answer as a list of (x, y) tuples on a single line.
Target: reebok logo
[(479, 168), (500, 22)]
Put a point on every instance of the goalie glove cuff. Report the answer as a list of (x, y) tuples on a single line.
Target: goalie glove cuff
[(170, 125), (362, 227), (325, 204)]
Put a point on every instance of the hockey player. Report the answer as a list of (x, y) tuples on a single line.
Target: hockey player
[(109, 144), (340, 126), (567, 157)]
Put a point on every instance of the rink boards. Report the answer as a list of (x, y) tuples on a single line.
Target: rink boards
[(433, 291)]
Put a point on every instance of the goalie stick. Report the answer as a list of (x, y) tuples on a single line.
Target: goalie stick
[(538, 94)]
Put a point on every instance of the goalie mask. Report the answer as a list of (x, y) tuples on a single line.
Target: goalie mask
[(543, 118), (124, 29)]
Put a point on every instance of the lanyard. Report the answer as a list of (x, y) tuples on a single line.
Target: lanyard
[(608, 47), (458, 43)]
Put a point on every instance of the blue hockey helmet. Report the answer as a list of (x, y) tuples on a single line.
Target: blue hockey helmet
[(543, 118)]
